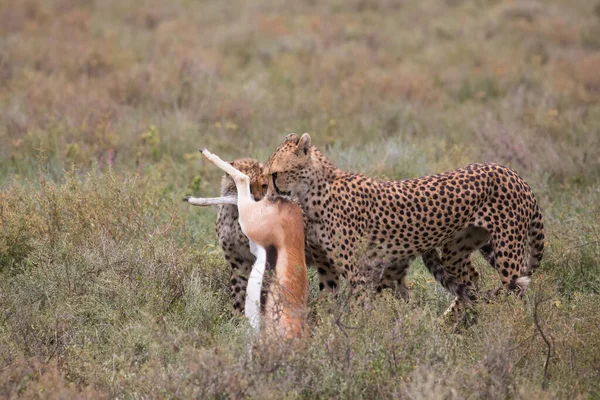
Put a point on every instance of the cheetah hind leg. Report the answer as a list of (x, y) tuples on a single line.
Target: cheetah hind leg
[(456, 312), (458, 265), (455, 274), (509, 263), (461, 314)]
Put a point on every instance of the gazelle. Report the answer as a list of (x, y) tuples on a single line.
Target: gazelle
[(275, 229), (233, 242)]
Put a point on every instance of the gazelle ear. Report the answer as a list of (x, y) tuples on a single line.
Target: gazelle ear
[(304, 144)]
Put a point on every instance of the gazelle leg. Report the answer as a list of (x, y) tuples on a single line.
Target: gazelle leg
[(255, 280), (242, 181), (254, 288)]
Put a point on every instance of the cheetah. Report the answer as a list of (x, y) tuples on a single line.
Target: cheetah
[(480, 206), (232, 240)]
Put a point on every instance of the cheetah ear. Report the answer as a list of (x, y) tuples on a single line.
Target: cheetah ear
[(292, 137), (303, 144)]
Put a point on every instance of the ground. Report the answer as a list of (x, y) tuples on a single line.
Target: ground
[(110, 286)]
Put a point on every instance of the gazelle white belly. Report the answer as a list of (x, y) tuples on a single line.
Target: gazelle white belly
[(254, 288)]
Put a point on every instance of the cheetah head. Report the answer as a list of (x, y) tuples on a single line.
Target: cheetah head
[(252, 168), (288, 167)]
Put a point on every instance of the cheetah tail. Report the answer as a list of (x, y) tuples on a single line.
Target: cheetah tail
[(535, 240), (432, 261)]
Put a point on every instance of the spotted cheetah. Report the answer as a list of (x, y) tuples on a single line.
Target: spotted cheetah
[(232, 240), (391, 222), (235, 244)]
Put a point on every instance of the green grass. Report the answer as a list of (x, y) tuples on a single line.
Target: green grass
[(110, 286)]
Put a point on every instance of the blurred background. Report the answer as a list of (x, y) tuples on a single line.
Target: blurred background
[(133, 84), (105, 275)]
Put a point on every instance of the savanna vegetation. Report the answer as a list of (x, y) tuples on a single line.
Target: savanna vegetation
[(110, 286)]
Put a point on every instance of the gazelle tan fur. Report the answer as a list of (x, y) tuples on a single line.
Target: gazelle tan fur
[(275, 229)]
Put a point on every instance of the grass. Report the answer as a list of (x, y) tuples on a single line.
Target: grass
[(111, 287)]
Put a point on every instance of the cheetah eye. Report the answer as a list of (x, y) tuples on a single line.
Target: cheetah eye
[(265, 186)]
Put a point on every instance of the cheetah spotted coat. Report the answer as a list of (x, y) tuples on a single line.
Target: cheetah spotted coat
[(369, 229)]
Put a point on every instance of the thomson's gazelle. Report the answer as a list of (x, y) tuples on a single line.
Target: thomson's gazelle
[(275, 229)]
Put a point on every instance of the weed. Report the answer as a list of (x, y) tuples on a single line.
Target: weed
[(111, 287)]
